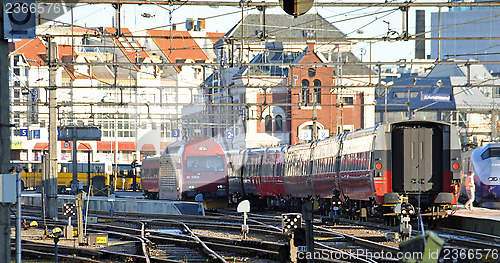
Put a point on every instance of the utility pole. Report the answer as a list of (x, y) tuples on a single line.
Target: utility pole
[(51, 183), (4, 142)]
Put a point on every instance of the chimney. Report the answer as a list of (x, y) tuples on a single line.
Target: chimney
[(419, 34), (262, 19), (201, 24), (189, 24), (310, 45)]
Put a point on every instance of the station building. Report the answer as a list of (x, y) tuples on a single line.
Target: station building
[(154, 99), (343, 94)]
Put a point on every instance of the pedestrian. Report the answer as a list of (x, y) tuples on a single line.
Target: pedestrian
[(470, 188)]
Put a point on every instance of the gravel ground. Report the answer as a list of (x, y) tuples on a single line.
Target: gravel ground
[(362, 231)]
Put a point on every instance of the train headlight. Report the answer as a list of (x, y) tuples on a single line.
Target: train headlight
[(411, 211), (456, 166), (493, 178), (221, 186), (403, 211), (191, 187)]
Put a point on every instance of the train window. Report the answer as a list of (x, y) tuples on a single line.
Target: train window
[(491, 152), (278, 170), (204, 163)]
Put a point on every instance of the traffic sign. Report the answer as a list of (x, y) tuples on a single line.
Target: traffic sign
[(36, 134), (23, 132), (19, 19), (230, 135)]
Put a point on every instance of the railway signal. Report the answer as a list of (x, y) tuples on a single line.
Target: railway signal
[(298, 246), (69, 210), (290, 222), (244, 207), (404, 210)]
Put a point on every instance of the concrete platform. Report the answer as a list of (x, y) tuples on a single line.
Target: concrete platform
[(125, 205), (482, 220)]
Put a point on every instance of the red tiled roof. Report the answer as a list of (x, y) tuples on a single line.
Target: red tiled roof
[(41, 146), (216, 36), (181, 46), (32, 49), (126, 46), (148, 148)]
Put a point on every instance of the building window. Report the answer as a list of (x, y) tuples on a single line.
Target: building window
[(269, 124), (317, 91), (317, 95), (278, 124), (348, 100), (305, 91), (311, 72), (305, 95)]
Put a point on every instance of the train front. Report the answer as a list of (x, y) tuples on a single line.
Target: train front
[(420, 160), (486, 165), (205, 172)]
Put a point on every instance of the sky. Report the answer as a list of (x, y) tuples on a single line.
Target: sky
[(355, 22)]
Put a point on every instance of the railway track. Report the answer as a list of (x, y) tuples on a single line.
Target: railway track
[(217, 238)]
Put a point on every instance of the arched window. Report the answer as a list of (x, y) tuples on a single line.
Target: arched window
[(269, 124), (317, 91), (305, 91), (278, 124)]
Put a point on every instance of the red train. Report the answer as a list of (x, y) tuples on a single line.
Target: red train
[(185, 169), (370, 169)]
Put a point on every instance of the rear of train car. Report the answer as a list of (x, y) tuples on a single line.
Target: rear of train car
[(420, 160)]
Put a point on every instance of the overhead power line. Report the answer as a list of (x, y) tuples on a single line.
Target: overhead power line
[(276, 4)]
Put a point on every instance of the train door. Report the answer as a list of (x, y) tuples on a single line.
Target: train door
[(417, 159)]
